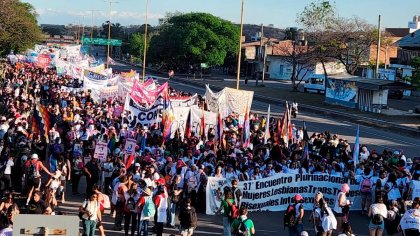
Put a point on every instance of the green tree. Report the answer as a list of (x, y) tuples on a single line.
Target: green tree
[(19, 28), (136, 45), (415, 78), (186, 40), (331, 37), (117, 31)]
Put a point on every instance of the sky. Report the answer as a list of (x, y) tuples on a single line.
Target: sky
[(280, 13)]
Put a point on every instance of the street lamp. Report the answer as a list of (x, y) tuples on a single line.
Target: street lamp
[(238, 70)]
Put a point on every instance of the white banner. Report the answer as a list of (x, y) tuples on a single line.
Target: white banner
[(216, 101), (238, 100), (210, 120), (70, 89), (101, 151), (185, 102), (130, 145), (108, 92), (277, 192), (180, 120), (124, 88), (145, 116)]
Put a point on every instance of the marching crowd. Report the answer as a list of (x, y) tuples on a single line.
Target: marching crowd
[(167, 182)]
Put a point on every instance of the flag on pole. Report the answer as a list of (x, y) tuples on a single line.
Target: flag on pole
[(305, 155), (167, 120), (356, 149), (188, 126), (286, 126), (130, 161), (267, 126), (43, 120), (202, 125), (245, 131), (305, 132), (219, 127)]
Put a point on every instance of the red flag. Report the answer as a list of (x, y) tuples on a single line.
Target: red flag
[(187, 133), (202, 125), (130, 161)]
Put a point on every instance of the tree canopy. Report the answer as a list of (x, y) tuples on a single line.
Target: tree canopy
[(193, 38), (19, 28), (332, 37)]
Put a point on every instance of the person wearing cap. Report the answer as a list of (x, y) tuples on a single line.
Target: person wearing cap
[(33, 169), (299, 213), (341, 206), (143, 220)]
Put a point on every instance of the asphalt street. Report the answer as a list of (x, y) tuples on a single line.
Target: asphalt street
[(374, 138), (266, 223)]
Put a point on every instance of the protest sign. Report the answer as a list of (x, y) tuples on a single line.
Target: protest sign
[(130, 145), (216, 102), (276, 193), (43, 61), (101, 151), (143, 115), (106, 93), (210, 120), (180, 120), (141, 94), (238, 101), (184, 102), (70, 89)]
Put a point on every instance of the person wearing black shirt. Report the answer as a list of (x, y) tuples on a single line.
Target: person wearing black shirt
[(92, 171), (37, 206)]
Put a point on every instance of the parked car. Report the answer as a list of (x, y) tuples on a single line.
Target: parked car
[(395, 93)]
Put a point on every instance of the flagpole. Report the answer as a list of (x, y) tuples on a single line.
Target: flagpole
[(145, 41), (238, 70), (267, 125)]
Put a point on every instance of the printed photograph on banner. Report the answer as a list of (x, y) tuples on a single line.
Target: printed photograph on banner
[(101, 151), (214, 193), (130, 145)]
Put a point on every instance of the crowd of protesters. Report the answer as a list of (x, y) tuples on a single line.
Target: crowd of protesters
[(169, 180)]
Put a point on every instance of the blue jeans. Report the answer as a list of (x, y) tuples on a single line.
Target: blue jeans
[(226, 226), (143, 226), (172, 212), (89, 227)]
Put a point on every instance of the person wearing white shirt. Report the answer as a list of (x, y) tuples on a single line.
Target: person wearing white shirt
[(7, 172), (377, 213), (364, 154), (410, 222)]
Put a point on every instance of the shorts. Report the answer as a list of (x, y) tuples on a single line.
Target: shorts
[(375, 226), (34, 183), (187, 232)]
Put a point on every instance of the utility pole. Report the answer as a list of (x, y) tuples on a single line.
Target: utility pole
[(260, 55), (238, 70), (145, 41), (109, 34), (83, 29), (378, 48)]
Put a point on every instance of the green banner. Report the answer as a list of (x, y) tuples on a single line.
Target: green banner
[(102, 41)]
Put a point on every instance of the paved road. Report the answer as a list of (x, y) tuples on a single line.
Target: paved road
[(373, 137), (266, 223)]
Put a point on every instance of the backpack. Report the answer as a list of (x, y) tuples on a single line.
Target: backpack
[(33, 171), (290, 217), (377, 219), (149, 209), (241, 229), (366, 186), (233, 211), (130, 204)]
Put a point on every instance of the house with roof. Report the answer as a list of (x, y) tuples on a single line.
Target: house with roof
[(408, 47)]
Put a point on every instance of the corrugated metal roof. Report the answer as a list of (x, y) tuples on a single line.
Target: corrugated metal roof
[(371, 84)]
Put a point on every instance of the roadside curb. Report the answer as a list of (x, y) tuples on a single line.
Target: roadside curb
[(363, 120)]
